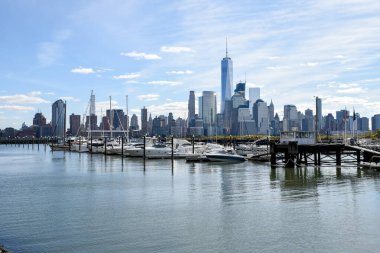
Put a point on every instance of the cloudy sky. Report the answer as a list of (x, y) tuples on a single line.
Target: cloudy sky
[(156, 51)]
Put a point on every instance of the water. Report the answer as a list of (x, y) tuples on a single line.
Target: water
[(70, 202)]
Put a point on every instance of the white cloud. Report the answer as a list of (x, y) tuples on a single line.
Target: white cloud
[(138, 56), (179, 109), (309, 64), (168, 49), (17, 108), (83, 71), (170, 83), (353, 90), (128, 76), (132, 81), (68, 98), (149, 97), (23, 99), (180, 72)]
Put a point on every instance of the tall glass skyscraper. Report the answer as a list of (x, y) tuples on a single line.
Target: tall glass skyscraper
[(318, 105), (58, 118), (227, 80)]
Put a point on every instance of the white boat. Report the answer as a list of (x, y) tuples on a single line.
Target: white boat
[(224, 155)]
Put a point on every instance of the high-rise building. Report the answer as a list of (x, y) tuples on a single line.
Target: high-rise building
[(308, 121), (191, 107), (209, 110), (375, 122), (144, 121), (342, 120), (134, 122), (271, 111), (330, 124), (39, 119), (260, 112), (92, 104), (74, 124), (240, 89), (363, 124), (290, 121), (91, 122), (58, 118), (254, 95), (318, 105), (227, 80)]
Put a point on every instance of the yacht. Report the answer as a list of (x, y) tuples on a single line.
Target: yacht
[(224, 155)]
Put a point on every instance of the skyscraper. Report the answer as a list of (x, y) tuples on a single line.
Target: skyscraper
[(254, 95), (261, 114), (144, 121), (227, 80), (209, 110), (74, 124), (39, 119), (318, 105), (92, 104), (191, 107), (58, 117), (290, 118)]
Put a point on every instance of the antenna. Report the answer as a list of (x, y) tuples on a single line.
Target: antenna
[(226, 49)]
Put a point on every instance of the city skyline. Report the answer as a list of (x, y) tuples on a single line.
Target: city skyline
[(292, 51)]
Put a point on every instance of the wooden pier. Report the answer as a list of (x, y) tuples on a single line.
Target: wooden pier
[(291, 154)]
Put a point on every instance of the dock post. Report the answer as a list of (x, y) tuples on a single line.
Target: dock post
[(273, 158), (122, 147), (319, 157), (338, 157), (144, 147), (90, 149), (192, 140), (172, 148), (105, 145), (358, 157)]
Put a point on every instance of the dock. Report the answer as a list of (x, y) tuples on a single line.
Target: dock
[(291, 154)]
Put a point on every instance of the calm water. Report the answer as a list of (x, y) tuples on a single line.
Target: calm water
[(70, 202)]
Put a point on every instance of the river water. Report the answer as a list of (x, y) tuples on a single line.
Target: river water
[(71, 202)]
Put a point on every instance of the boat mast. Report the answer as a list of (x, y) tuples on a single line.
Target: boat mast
[(111, 125), (127, 118)]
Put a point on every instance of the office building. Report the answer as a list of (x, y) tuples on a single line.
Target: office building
[(375, 122), (39, 119), (318, 106), (254, 95), (191, 108), (144, 121), (227, 80), (58, 118), (74, 124), (261, 114)]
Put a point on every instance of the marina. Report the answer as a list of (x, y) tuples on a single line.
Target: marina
[(73, 202)]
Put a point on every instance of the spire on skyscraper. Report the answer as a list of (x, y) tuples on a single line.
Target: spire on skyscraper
[(226, 49)]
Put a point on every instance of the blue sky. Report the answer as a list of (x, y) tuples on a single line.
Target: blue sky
[(156, 51)]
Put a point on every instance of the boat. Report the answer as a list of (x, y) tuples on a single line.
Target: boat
[(224, 155)]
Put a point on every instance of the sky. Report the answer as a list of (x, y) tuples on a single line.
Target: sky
[(157, 51)]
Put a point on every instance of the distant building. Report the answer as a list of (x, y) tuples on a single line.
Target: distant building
[(59, 118), (254, 95), (74, 124), (318, 102), (134, 123), (375, 122), (261, 114), (363, 124), (227, 80), (191, 108), (39, 119), (342, 120), (144, 121), (209, 111), (290, 121), (308, 121)]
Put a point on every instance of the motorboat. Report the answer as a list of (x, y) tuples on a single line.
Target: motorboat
[(224, 155)]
